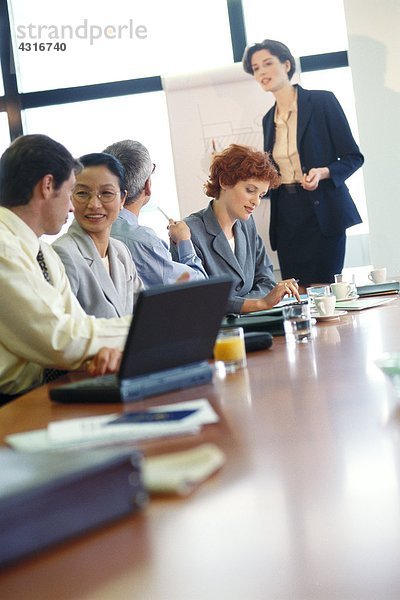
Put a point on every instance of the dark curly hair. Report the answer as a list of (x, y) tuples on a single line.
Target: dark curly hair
[(239, 163)]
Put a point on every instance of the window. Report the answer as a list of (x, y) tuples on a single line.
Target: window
[(98, 44), (299, 25), (4, 132), (1, 82), (80, 43), (91, 126)]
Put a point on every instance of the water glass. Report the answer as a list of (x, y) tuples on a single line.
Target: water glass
[(297, 322), (317, 290)]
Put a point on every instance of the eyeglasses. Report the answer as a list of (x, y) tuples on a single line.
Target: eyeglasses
[(153, 169), (105, 197)]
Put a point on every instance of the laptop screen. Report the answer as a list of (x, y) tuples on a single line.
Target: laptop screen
[(174, 325)]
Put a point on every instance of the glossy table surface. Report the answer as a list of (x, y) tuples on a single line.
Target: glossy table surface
[(307, 505)]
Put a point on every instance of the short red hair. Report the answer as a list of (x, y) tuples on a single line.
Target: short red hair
[(239, 163)]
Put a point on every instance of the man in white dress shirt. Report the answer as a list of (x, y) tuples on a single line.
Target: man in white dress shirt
[(42, 325)]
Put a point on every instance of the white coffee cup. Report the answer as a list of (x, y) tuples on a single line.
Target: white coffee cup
[(342, 290), (378, 275), (325, 305)]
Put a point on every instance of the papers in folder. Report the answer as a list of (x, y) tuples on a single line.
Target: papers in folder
[(104, 430), (378, 289), (362, 303)]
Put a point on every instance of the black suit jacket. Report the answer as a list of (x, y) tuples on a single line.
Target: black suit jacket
[(324, 139)]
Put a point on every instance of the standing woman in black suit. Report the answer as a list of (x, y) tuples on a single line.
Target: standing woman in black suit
[(309, 138)]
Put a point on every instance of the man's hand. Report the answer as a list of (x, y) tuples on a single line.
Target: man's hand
[(178, 231), (107, 360), (184, 277)]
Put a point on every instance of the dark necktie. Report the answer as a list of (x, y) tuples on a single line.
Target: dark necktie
[(43, 266), (49, 374)]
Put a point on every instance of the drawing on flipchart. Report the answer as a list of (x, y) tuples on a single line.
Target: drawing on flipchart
[(220, 134)]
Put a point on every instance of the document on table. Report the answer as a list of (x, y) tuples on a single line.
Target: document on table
[(180, 418), (362, 303)]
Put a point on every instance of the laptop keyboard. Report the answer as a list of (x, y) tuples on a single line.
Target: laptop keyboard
[(97, 389), (103, 381), (108, 388)]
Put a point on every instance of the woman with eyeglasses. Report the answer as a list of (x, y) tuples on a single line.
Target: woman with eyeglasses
[(310, 140), (224, 234), (100, 269)]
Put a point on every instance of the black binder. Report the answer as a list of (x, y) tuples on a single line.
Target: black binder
[(269, 320), (49, 497)]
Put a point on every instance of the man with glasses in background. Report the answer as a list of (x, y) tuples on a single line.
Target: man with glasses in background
[(150, 253)]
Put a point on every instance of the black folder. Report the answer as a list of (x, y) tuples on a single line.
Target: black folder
[(270, 321), (49, 497)]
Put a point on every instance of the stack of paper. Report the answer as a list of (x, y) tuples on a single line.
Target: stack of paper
[(181, 418), (361, 303)]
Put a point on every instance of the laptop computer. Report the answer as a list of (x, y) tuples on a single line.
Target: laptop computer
[(170, 340)]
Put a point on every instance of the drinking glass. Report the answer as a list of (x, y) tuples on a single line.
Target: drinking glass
[(317, 290), (297, 322), (230, 349)]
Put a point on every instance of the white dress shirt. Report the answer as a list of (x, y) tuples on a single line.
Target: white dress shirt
[(42, 324)]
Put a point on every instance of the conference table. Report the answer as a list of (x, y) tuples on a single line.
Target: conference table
[(307, 505)]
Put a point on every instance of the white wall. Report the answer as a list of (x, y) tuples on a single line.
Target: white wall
[(374, 50)]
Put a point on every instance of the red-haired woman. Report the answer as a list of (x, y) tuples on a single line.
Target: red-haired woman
[(224, 234)]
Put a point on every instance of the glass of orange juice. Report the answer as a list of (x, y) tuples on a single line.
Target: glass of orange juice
[(230, 349)]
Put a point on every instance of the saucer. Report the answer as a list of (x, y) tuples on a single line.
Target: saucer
[(336, 315), (348, 298)]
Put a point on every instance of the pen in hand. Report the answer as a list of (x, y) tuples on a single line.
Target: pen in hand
[(165, 214)]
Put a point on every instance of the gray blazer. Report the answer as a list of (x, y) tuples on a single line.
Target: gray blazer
[(100, 294), (250, 268)]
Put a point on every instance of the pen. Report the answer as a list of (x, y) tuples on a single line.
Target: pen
[(164, 213)]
